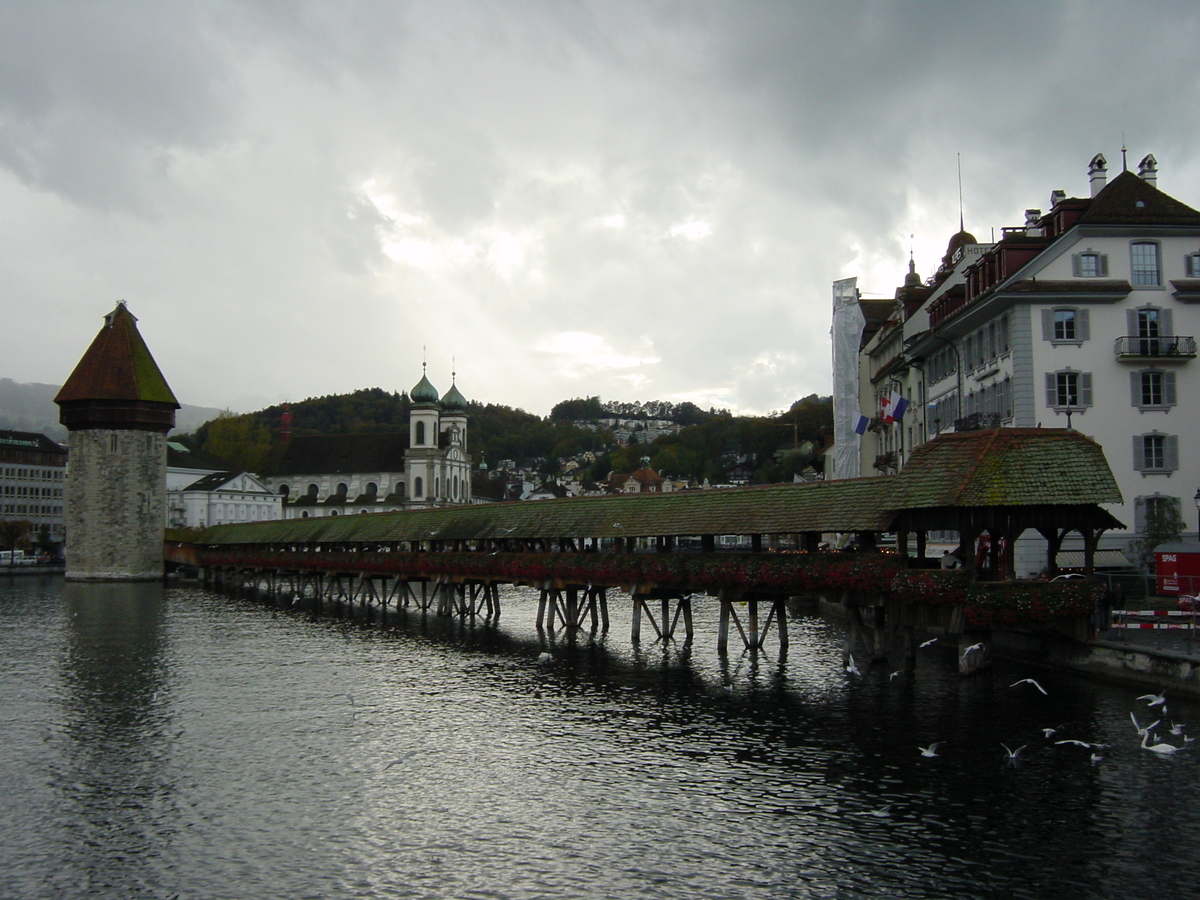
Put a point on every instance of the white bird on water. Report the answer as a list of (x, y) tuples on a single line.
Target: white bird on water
[(1162, 749), (930, 751), (1154, 699), (1029, 681), (545, 658)]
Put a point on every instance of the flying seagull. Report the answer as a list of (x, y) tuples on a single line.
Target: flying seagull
[(971, 650), (931, 751), (1154, 699), (927, 643), (1029, 681), (851, 668), (1012, 754)]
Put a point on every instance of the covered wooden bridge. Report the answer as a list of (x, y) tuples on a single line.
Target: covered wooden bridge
[(746, 545)]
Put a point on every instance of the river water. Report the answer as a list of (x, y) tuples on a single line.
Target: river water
[(176, 743)]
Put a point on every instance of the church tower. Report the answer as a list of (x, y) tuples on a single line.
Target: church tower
[(117, 408), (422, 462), (457, 462)]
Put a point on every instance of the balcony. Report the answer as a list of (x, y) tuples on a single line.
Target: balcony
[(1170, 347)]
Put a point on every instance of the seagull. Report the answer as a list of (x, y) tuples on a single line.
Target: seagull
[(1076, 743), (1049, 732), (971, 650), (1029, 681), (895, 674), (1142, 732), (1012, 754), (851, 668), (927, 643), (1096, 757), (1176, 729), (545, 658), (399, 759), (1154, 699), (618, 525), (931, 750)]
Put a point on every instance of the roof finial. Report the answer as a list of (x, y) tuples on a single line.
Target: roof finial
[(960, 206), (1124, 149)]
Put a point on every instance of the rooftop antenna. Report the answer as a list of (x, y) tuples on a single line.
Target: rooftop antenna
[(960, 207)]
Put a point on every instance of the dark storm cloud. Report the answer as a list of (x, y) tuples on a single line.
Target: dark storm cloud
[(636, 199)]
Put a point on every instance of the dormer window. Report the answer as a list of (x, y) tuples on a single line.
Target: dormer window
[(1090, 264)]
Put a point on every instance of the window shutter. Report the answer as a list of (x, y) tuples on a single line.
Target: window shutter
[(1085, 388), (1139, 515), (1082, 330), (1168, 387), (1131, 322), (1135, 388), (1047, 324), (1139, 453), (1076, 268), (1102, 267), (1164, 323), (1051, 392), (1171, 452)]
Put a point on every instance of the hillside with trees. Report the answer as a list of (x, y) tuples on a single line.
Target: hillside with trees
[(707, 445)]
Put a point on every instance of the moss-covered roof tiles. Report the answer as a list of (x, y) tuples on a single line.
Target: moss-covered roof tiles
[(1000, 468), (117, 366)]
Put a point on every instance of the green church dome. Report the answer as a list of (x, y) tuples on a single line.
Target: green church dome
[(424, 392), (454, 399)]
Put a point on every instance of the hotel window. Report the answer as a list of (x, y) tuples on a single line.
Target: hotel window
[(1068, 389), (1155, 453), (1152, 389), (1065, 325), (1089, 264), (1154, 506), (1191, 265), (1144, 266)]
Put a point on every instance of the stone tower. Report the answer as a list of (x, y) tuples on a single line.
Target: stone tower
[(117, 408)]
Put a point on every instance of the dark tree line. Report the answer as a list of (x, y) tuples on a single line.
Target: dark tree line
[(708, 446)]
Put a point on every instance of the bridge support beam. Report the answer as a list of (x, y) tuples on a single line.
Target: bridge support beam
[(753, 636)]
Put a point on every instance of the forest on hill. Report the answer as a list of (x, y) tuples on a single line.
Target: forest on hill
[(707, 445)]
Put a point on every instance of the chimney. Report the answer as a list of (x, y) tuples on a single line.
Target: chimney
[(1057, 197), (1031, 222), (1098, 173), (1148, 170)]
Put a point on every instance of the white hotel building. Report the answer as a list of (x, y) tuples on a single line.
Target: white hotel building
[(1084, 316)]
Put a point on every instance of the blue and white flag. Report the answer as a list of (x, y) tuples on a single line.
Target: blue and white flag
[(863, 422)]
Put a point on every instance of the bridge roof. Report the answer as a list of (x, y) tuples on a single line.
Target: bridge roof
[(762, 509), (1006, 467), (1037, 469)]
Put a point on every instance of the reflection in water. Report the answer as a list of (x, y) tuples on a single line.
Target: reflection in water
[(116, 732), (189, 745)]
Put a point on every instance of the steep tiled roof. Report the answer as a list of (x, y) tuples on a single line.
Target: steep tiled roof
[(1006, 467), (1130, 200), (338, 454), (117, 366)]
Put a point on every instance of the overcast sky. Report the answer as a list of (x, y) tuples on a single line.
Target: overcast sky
[(640, 200)]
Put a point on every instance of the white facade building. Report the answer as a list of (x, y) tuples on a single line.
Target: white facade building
[(1084, 317)]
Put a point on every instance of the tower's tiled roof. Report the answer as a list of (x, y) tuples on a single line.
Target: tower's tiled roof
[(117, 367)]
